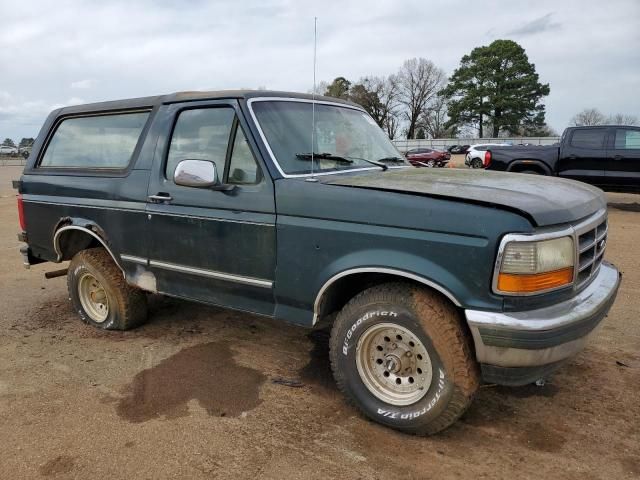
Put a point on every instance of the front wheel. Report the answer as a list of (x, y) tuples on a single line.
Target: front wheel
[(100, 295), (431, 163), (400, 354)]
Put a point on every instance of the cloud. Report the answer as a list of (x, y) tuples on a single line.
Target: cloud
[(25, 116), (110, 53), (83, 84), (538, 25)]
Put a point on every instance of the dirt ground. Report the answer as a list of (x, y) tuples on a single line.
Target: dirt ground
[(195, 393)]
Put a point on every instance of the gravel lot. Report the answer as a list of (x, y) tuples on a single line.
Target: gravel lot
[(192, 394)]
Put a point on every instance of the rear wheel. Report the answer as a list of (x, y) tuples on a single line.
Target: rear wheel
[(400, 354), (431, 163), (100, 295)]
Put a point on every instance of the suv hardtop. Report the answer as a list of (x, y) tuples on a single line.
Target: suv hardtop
[(298, 208)]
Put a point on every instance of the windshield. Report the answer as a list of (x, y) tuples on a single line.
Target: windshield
[(339, 132)]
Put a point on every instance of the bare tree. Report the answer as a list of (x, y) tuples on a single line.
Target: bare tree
[(366, 93), (434, 118), (622, 119), (321, 87), (588, 117), (419, 82), (380, 98), (388, 89), (392, 125)]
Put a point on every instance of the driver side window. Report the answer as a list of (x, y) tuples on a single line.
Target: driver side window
[(200, 134), (205, 134)]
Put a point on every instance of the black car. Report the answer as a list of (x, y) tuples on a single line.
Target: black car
[(607, 156), (458, 149)]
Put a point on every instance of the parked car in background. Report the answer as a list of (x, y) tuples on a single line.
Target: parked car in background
[(8, 150), (25, 151), (428, 157), (475, 157), (607, 156), (458, 149)]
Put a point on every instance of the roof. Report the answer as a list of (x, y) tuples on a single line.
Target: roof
[(147, 102), (608, 125)]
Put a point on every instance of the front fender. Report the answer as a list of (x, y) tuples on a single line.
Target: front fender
[(313, 254), (403, 264)]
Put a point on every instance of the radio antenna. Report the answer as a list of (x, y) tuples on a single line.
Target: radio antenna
[(313, 98)]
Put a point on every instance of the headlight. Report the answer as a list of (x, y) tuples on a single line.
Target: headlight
[(530, 267)]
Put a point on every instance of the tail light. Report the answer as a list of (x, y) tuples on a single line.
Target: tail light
[(487, 158), (23, 225)]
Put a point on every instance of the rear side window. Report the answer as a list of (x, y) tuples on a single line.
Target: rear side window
[(101, 141), (589, 138), (627, 139)]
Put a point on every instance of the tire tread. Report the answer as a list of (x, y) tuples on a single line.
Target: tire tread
[(132, 302), (442, 322)]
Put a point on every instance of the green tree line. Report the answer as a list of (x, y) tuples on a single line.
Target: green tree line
[(24, 142)]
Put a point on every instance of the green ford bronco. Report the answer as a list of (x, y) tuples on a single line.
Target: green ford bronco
[(300, 208)]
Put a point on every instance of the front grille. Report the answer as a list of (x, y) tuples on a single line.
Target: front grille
[(591, 244)]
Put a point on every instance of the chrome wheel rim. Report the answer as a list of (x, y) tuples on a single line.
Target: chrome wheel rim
[(393, 364), (93, 298)]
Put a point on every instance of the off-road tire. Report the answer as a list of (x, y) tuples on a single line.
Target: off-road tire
[(127, 305), (438, 325)]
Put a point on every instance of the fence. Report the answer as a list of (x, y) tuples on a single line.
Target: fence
[(443, 143), (7, 161)]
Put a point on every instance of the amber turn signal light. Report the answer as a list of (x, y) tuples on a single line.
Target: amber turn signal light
[(529, 283)]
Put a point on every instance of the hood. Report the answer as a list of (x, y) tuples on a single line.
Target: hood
[(544, 200)]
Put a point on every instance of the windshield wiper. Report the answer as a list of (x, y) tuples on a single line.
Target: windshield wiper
[(338, 158), (391, 159), (323, 156)]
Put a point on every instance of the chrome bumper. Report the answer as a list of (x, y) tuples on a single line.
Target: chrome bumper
[(546, 336)]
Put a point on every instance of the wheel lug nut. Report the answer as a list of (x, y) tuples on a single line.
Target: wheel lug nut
[(393, 345), (408, 354)]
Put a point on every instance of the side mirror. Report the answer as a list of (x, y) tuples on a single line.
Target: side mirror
[(196, 173)]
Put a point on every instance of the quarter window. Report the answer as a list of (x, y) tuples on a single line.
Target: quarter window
[(589, 138), (627, 139), (101, 141), (243, 168)]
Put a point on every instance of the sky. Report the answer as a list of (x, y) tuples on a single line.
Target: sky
[(64, 52)]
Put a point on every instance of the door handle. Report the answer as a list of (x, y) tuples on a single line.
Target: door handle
[(618, 157), (160, 197)]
